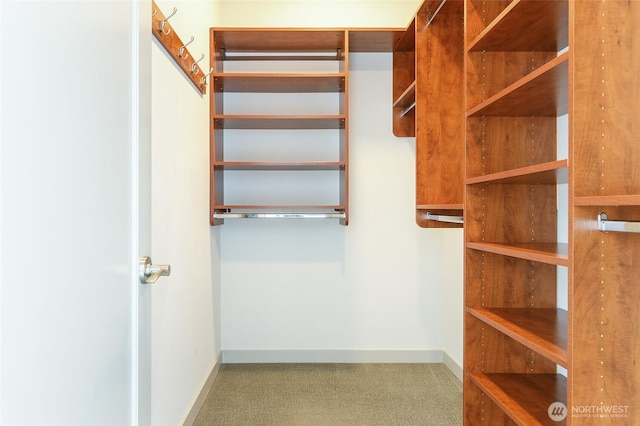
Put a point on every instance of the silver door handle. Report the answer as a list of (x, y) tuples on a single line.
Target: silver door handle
[(149, 273)]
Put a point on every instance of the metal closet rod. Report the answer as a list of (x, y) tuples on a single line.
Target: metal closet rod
[(291, 215), (430, 20), (241, 54), (443, 218), (606, 225), (406, 110)]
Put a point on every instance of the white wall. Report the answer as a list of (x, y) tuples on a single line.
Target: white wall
[(318, 13), (186, 305), (382, 283)]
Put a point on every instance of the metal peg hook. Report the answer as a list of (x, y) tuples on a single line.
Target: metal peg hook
[(194, 66), (165, 20), (155, 12), (203, 80), (181, 51)]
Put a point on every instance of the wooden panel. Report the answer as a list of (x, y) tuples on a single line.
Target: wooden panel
[(605, 325), (216, 135), (606, 81), (497, 281), (499, 144), (503, 213), (491, 351), (440, 107)]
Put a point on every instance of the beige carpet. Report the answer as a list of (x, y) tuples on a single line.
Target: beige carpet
[(333, 394)]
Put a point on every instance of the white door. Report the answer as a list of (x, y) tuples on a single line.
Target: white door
[(74, 212)]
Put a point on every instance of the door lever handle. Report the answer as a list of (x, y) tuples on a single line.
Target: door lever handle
[(149, 273)]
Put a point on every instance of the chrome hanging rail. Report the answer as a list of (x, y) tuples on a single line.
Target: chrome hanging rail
[(606, 225), (292, 215), (406, 110), (443, 218)]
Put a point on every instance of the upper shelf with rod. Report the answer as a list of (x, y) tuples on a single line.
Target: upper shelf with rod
[(166, 35)]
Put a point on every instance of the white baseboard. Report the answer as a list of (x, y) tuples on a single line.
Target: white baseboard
[(243, 356), (452, 365), (199, 401)]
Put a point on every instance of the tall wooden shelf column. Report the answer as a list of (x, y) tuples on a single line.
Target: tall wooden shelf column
[(428, 76), (533, 195)]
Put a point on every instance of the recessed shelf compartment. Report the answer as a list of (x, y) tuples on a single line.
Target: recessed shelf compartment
[(541, 93), (279, 83), (542, 330), (524, 397), (248, 165), (280, 121), (545, 25)]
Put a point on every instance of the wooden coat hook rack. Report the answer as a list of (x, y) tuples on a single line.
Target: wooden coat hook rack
[(165, 34)]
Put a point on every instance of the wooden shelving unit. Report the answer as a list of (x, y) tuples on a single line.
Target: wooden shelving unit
[(428, 92), (551, 301), (287, 48)]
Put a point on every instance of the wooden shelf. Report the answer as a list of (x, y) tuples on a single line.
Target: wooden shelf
[(555, 172), (252, 40), (608, 200), (545, 24), (374, 39), (278, 83), (541, 330), (542, 93), (284, 166), (525, 398), (550, 253), (440, 207), (280, 121)]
